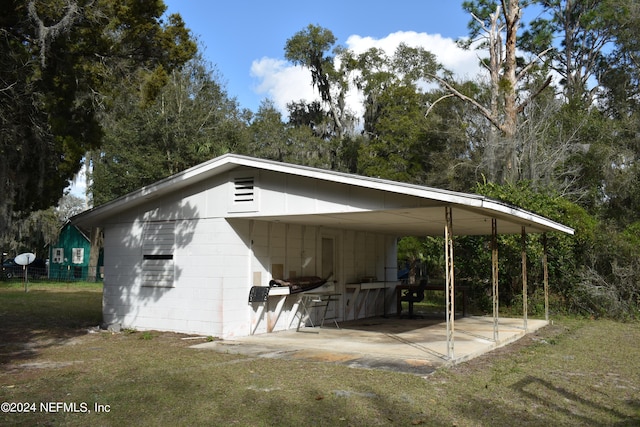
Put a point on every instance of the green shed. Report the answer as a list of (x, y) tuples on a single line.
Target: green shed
[(69, 256)]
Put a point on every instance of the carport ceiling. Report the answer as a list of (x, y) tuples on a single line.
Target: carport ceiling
[(423, 221)]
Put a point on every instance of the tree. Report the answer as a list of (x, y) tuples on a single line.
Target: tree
[(495, 27), (594, 48), (392, 149), (59, 62), (619, 73), (70, 205), (399, 143), (311, 115), (299, 141), (269, 134), (311, 48), (32, 233), (453, 140), (577, 34), (190, 120), (378, 72), (311, 126), (619, 79)]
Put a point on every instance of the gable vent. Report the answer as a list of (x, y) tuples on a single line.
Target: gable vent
[(243, 190)]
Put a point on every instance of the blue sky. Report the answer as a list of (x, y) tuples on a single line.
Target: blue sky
[(245, 39)]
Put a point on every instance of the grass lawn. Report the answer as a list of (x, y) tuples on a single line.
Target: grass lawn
[(574, 372)]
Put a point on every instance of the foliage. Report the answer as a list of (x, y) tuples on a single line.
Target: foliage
[(70, 205), (396, 142), (565, 253), (395, 138), (299, 141), (59, 63), (452, 146), (39, 229), (190, 120), (577, 35), (313, 47), (31, 233), (269, 134), (421, 257), (596, 271), (398, 126), (609, 279), (514, 81), (309, 47)]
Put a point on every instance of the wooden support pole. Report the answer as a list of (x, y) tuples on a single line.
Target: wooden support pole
[(545, 273), (494, 275), (449, 283), (524, 277)]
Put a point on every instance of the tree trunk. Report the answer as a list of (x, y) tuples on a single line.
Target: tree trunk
[(512, 13), (94, 254)]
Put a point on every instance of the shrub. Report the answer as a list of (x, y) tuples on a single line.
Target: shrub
[(596, 271)]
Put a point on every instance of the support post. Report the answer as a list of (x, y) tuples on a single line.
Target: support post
[(494, 275), (524, 277), (449, 283), (545, 273)]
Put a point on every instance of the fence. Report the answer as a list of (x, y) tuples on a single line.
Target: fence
[(56, 274)]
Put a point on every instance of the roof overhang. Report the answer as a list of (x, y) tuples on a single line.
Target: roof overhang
[(472, 214)]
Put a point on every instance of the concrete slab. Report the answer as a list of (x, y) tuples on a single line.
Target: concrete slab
[(416, 346)]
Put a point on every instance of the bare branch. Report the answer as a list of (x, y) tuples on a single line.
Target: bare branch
[(480, 21), (48, 33), (530, 64), (483, 110), (8, 87), (526, 102), (438, 100)]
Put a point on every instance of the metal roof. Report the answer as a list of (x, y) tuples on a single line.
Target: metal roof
[(472, 213)]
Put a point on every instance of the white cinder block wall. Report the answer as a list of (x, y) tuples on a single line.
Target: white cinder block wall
[(218, 253), (216, 264)]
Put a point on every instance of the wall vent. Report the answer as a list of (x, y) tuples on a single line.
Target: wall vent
[(158, 245), (243, 190)]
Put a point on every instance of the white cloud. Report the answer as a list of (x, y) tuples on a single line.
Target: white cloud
[(78, 187), (463, 63), (283, 82)]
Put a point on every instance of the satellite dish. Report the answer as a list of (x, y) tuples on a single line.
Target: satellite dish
[(25, 258)]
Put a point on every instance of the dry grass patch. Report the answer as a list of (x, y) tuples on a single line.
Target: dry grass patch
[(575, 372)]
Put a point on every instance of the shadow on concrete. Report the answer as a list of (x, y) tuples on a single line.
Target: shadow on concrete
[(416, 346)]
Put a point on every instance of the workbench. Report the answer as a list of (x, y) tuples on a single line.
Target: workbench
[(353, 291)]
